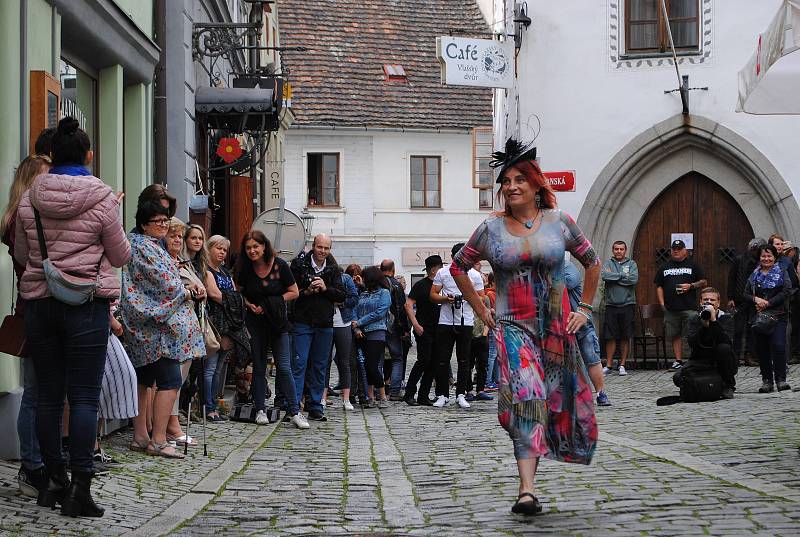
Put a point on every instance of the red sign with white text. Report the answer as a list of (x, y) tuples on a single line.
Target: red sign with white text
[(561, 181)]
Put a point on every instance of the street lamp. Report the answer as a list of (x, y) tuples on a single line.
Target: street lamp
[(308, 222)]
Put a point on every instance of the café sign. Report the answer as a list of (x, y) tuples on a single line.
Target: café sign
[(476, 62), (561, 181)]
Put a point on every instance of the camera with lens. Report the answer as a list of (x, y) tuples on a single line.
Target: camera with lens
[(307, 279), (705, 313), (458, 300)]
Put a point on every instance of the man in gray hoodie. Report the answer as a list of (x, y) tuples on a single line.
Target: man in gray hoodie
[(620, 275)]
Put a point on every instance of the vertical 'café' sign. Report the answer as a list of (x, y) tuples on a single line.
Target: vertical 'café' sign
[(476, 62)]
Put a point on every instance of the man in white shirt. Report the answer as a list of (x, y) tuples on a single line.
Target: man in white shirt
[(455, 329)]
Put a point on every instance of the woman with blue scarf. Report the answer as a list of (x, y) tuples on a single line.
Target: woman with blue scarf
[(769, 288)]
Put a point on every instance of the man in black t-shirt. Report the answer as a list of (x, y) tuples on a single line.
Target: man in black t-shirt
[(677, 282), (424, 321)]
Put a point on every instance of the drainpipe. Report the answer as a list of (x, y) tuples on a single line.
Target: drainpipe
[(24, 86), (159, 93), (254, 55)]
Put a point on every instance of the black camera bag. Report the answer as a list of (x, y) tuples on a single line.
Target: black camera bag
[(700, 384)]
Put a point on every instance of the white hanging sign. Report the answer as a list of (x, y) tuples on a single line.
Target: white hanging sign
[(476, 62)]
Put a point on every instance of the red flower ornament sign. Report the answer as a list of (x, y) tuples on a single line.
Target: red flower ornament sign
[(229, 150)]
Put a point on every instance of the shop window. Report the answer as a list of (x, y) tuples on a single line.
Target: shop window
[(646, 29), (323, 179), (426, 182), (482, 145)]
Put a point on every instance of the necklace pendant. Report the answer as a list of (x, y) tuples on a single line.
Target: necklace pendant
[(529, 224)]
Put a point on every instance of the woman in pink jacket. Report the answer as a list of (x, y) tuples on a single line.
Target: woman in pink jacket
[(84, 239)]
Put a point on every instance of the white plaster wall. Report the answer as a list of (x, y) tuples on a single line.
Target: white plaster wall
[(590, 110), (375, 190)]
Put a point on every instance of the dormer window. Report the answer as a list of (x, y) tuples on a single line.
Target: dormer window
[(394, 73)]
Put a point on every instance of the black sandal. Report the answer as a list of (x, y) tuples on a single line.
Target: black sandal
[(531, 508)]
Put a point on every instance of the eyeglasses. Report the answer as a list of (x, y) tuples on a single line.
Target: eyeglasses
[(164, 222)]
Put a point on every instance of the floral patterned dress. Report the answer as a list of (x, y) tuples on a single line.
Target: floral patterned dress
[(545, 398), (156, 310)]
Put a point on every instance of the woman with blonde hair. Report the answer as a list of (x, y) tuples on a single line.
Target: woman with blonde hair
[(176, 248), (31, 475)]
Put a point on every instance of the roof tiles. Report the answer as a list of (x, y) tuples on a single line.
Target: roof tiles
[(340, 80)]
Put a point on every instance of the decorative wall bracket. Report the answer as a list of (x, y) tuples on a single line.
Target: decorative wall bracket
[(221, 39)]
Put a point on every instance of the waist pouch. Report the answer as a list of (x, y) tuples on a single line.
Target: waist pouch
[(68, 290)]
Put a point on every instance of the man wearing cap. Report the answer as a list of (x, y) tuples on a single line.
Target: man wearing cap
[(677, 282), (423, 320)]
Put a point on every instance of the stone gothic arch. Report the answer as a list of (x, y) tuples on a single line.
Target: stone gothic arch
[(657, 157)]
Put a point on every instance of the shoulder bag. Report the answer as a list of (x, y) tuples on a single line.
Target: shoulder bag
[(764, 323), (12, 332), (63, 288)]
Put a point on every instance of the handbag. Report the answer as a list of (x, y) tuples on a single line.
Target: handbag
[(12, 332), (63, 288), (12, 336), (210, 335), (764, 323)]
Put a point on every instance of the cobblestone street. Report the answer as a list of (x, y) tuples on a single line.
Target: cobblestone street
[(724, 468)]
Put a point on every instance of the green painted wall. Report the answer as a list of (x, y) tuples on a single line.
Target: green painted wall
[(40, 44), (136, 134), (141, 11), (9, 158), (84, 98), (109, 146)]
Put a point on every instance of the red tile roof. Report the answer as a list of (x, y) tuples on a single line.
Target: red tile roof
[(340, 80)]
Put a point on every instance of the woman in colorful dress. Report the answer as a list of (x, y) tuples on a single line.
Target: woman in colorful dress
[(545, 398), (160, 326)]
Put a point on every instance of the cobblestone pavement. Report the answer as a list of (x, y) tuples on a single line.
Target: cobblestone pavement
[(726, 468)]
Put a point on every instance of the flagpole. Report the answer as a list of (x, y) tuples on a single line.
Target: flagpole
[(681, 86)]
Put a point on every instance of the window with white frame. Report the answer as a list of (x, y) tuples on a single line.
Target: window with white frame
[(323, 179), (646, 28), (482, 145)]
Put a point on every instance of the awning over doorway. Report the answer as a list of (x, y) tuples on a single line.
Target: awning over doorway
[(239, 109), (770, 82)]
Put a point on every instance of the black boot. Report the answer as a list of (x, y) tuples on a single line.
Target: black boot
[(78, 501), (56, 487)]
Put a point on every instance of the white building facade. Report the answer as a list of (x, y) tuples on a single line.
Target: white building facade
[(389, 161), (376, 218), (591, 86)]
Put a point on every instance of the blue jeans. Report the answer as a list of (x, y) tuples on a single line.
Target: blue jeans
[(208, 382), (588, 344), (26, 422), (771, 352), (68, 347), (312, 348), (395, 346), (490, 369), (261, 340)]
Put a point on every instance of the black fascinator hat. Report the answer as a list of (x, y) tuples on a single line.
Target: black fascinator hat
[(515, 152)]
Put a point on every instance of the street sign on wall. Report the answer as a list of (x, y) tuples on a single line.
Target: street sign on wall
[(563, 181), (476, 62)]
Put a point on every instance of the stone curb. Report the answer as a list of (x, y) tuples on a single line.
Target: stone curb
[(206, 489), (710, 469)]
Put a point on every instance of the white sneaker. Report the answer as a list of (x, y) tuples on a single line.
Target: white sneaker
[(462, 401), (606, 370), (300, 421), (348, 405), (261, 418), (622, 371), (440, 402)]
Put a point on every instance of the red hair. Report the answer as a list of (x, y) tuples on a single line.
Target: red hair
[(533, 174)]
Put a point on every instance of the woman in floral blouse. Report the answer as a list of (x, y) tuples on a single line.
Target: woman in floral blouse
[(160, 325)]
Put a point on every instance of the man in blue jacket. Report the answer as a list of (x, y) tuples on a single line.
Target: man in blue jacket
[(620, 275)]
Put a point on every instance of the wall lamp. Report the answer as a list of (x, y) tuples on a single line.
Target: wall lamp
[(521, 20)]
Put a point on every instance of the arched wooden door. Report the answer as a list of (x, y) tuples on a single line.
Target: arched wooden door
[(692, 204)]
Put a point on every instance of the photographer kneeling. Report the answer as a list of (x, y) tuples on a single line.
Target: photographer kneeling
[(711, 343)]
